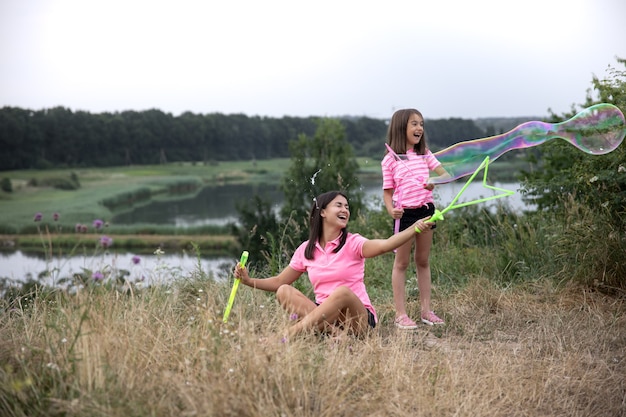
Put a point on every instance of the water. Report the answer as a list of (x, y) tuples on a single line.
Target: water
[(212, 205), (18, 266), (445, 193), (218, 205)]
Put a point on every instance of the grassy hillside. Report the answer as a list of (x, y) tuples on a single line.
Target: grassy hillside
[(534, 327), (534, 350)]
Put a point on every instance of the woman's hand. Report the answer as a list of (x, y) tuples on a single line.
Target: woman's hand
[(423, 224), (241, 273), (429, 186)]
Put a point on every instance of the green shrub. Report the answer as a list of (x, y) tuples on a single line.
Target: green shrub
[(6, 185), (584, 199), (60, 183), (127, 199)]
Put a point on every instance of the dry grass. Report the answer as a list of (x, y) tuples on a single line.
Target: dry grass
[(526, 351)]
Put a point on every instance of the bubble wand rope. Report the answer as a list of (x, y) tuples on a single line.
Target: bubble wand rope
[(397, 203), (397, 158), (396, 222), (485, 164), (398, 194), (233, 291)]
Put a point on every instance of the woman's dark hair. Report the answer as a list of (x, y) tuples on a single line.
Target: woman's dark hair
[(396, 133), (316, 223)]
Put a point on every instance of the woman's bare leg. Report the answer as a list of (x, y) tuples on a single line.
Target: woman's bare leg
[(343, 307), (292, 300)]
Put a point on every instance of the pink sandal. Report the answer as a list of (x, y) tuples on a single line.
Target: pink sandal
[(431, 318), (405, 323)]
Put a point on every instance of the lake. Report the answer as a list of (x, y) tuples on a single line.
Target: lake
[(218, 205), (212, 205)]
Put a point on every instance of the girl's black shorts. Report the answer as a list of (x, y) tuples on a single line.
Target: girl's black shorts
[(410, 216)]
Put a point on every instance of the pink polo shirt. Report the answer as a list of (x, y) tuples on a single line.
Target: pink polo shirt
[(408, 176), (328, 270)]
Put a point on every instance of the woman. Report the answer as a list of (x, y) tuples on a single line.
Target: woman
[(335, 262)]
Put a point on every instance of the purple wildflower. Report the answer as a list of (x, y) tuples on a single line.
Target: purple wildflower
[(78, 228), (293, 317), (98, 224), (106, 241), (83, 228), (38, 217), (55, 217), (136, 259), (98, 276)]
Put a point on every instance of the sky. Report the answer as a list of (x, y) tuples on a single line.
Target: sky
[(275, 58)]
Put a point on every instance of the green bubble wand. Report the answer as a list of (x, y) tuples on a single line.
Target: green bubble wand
[(438, 215), (233, 291)]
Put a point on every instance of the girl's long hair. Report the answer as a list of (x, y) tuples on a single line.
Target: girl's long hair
[(316, 224), (396, 133)]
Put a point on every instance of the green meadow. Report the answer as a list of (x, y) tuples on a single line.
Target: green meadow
[(102, 191)]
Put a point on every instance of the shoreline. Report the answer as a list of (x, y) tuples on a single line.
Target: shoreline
[(145, 242)]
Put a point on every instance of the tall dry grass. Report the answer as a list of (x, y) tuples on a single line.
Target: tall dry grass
[(523, 350)]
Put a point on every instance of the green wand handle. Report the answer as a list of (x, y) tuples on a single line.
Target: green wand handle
[(233, 291)]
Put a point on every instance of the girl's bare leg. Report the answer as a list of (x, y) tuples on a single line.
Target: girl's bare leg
[(398, 277), (423, 243)]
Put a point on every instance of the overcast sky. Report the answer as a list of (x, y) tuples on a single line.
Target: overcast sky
[(453, 58)]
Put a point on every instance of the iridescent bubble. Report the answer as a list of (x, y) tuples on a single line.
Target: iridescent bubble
[(596, 130)]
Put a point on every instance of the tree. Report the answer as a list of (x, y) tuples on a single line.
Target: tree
[(5, 185), (258, 227), (590, 179), (323, 163), (585, 195)]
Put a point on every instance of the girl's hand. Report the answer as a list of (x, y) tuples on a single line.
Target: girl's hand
[(429, 186), (397, 213)]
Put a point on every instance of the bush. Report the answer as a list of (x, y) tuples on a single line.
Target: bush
[(6, 185), (583, 198), (61, 183)]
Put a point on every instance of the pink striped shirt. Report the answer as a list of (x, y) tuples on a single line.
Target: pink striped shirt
[(408, 177)]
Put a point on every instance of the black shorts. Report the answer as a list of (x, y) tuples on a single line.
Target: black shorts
[(370, 319), (410, 216)]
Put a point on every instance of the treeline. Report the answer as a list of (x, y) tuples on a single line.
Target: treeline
[(60, 137)]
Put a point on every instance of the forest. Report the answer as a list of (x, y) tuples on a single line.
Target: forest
[(61, 138)]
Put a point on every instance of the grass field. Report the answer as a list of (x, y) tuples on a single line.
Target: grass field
[(532, 350), (97, 185), (534, 327)]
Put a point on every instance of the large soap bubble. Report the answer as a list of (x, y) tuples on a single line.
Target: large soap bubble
[(596, 130)]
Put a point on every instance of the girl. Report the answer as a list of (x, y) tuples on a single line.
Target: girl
[(408, 197), (335, 261)]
